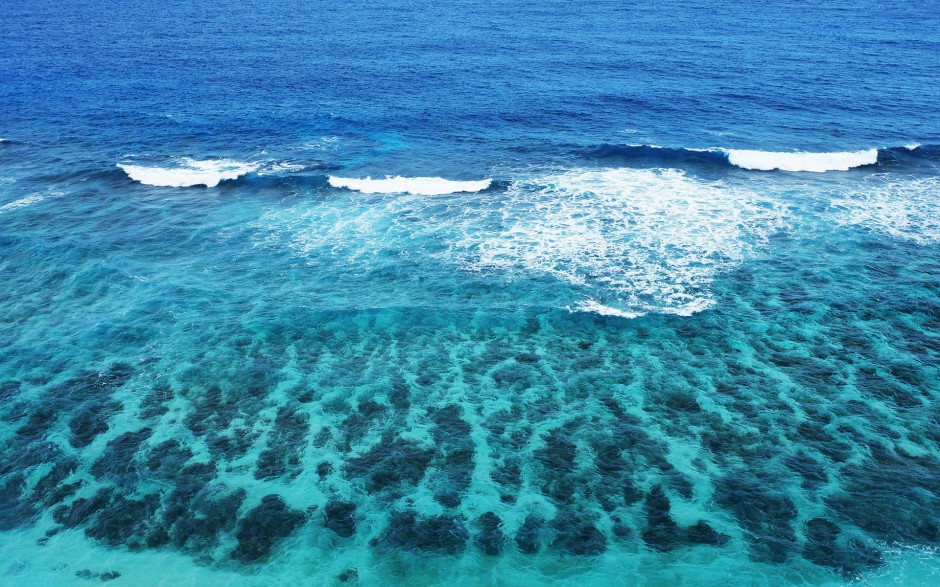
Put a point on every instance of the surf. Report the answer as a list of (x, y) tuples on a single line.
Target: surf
[(189, 172), (801, 161), (722, 158), (420, 186)]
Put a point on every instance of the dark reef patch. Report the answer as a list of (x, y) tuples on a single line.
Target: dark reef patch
[(434, 534), (529, 535), (576, 534), (118, 461), (339, 518), (286, 443), (661, 533), (264, 527), (765, 513), (490, 538), (392, 465)]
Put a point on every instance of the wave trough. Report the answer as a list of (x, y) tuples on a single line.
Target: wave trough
[(420, 186)]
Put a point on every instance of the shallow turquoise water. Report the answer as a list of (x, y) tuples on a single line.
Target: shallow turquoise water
[(175, 355), (629, 353)]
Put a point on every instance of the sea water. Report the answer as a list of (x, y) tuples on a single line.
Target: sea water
[(510, 293)]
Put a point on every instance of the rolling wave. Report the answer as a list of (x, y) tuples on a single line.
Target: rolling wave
[(189, 172), (814, 162), (758, 160), (421, 186)]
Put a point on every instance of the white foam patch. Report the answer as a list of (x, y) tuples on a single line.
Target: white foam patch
[(897, 207), (815, 162), (632, 240), (423, 186), (21, 203), (593, 307), (279, 168), (189, 172)]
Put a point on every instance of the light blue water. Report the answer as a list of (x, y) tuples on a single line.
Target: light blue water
[(629, 352)]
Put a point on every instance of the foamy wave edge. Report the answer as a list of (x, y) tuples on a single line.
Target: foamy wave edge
[(189, 173), (595, 307), (21, 203), (422, 186), (800, 161)]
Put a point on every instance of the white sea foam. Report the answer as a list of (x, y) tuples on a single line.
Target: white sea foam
[(912, 146), (189, 172), (21, 203), (898, 207), (594, 307), (423, 186), (632, 240), (279, 167), (815, 162)]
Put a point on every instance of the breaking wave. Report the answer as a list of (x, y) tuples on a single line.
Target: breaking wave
[(422, 186), (189, 172), (814, 162), (757, 160)]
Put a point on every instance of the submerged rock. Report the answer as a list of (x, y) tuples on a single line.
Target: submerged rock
[(436, 534), (264, 527), (490, 538), (528, 536), (339, 518)]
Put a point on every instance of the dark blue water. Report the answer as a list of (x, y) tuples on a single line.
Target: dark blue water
[(513, 294)]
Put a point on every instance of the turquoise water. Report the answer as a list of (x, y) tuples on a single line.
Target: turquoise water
[(229, 358)]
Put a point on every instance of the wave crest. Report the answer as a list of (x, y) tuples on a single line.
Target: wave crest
[(421, 186), (189, 172), (814, 162), (913, 155)]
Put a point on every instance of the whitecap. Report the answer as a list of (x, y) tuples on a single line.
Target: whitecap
[(21, 203), (189, 172), (422, 186), (801, 161)]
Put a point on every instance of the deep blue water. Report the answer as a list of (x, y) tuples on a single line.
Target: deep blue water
[(663, 310)]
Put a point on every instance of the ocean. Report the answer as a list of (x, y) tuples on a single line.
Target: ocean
[(508, 293)]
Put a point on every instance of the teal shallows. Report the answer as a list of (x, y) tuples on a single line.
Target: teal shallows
[(633, 358), (405, 407)]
